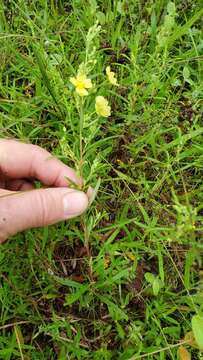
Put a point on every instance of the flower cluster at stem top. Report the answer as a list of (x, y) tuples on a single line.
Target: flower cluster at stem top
[(82, 84)]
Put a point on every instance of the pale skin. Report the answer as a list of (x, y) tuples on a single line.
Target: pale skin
[(21, 205)]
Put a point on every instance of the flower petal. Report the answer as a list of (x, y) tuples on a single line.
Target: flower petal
[(81, 91), (73, 81), (88, 83), (81, 77), (101, 106), (111, 76), (81, 83), (108, 70)]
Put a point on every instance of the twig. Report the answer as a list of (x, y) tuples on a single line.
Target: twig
[(160, 350), (13, 324)]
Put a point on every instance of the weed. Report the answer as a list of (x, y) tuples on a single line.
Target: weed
[(124, 281)]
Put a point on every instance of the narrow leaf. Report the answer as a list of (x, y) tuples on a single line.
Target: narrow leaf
[(71, 298), (94, 192), (156, 286), (68, 282)]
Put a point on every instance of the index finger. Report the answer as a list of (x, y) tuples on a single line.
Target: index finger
[(20, 160)]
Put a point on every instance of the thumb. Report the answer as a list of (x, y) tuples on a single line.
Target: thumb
[(23, 210)]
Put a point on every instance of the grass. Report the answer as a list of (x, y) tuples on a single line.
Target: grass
[(124, 280)]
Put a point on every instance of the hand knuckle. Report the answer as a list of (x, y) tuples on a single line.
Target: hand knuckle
[(45, 206)]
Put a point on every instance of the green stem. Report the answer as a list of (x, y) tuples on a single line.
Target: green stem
[(81, 113), (86, 235)]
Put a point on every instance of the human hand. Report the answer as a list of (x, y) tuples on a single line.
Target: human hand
[(23, 207)]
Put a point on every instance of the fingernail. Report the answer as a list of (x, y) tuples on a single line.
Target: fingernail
[(74, 203)]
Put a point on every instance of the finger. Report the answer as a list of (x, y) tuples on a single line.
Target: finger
[(42, 207), (19, 185), (4, 192), (19, 160), (2, 182)]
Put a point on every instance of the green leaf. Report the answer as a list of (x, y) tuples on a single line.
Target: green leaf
[(19, 335), (120, 331), (71, 298), (197, 327), (189, 259), (149, 277), (160, 262), (67, 282), (186, 75), (94, 192), (115, 311), (125, 177), (56, 59), (101, 17), (93, 6), (183, 29), (171, 8), (120, 8), (41, 61), (156, 286), (169, 22)]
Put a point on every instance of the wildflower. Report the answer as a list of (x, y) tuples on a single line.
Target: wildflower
[(81, 83), (111, 76), (102, 107)]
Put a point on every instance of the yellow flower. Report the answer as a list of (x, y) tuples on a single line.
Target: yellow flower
[(111, 76), (102, 107), (81, 83)]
